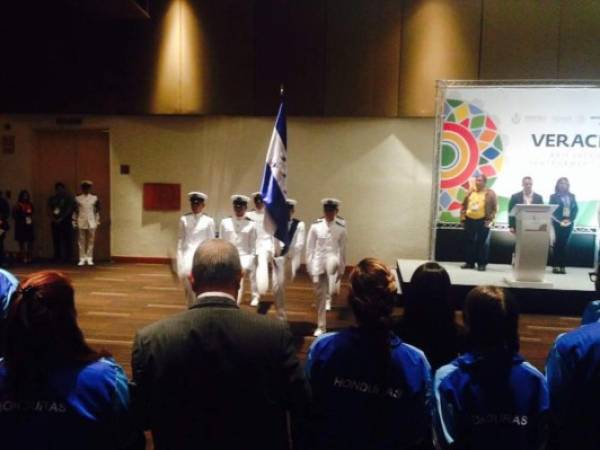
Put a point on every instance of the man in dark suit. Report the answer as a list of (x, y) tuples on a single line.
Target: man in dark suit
[(214, 376), (524, 197)]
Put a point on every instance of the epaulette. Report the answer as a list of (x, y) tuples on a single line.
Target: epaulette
[(341, 224), (188, 214), (319, 220), (248, 219), (340, 217)]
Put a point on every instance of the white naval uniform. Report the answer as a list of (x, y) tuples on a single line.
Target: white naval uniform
[(86, 218), (241, 232), (265, 248), (194, 229), (290, 256), (325, 255)]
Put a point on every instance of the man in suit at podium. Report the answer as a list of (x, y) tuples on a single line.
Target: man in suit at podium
[(524, 197)]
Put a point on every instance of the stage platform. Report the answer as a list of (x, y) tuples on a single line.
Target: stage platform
[(568, 295)]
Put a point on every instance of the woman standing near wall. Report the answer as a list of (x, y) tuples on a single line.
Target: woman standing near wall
[(23, 215), (563, 219)]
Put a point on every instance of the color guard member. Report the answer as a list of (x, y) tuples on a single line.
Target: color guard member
[(86, 218), (241, 232), (265, 246), (325, 256), (290, 254), (195, 227)]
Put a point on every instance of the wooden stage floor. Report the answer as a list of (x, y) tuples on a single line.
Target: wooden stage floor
[(115, 300)]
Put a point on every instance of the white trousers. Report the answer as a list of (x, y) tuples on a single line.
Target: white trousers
[(279, 281), (85, 240), (321, 285), (259, 275), (248, 266)]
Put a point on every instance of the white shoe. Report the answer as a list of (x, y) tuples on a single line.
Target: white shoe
[(328, 305), (255, 301), (318, 332), (81, 262), (90, 262)]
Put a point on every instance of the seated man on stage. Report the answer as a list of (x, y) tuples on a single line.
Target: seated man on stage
[(524, 197), (477, 214)]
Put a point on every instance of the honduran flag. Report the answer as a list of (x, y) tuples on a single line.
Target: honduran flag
[(274, 183)]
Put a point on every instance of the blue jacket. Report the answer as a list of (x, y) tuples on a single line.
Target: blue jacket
[(8, 285), (354, 407), (495, 402), (80, 407), (573, 373)]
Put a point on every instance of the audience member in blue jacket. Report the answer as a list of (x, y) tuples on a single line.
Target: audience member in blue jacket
[(8, 285), (573, 373), (55, 391), (371, 390), (490, 398)]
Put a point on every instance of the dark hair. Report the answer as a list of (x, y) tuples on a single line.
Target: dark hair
[(429, 293), (59, 184), (42, 331), (22, 194), (482, 175), (565, 179), (428, 321), (492, 318), (371, 297)]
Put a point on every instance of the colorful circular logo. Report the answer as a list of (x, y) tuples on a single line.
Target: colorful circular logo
[(470, 145)]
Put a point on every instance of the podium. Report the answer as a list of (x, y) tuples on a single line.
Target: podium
[(533, 240)]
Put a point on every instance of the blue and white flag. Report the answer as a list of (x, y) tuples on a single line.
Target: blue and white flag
[(274, 183)]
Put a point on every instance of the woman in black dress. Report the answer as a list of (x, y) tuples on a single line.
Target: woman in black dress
[(23, 215)]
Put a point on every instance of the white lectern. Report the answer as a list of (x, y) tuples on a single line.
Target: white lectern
[(533, 240)]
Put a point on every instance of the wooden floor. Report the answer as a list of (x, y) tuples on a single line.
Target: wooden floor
[(115, 300)]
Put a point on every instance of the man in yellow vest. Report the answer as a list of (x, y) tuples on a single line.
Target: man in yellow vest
[(477, 214)]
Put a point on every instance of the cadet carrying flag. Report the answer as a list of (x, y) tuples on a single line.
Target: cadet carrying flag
[(274, 183)]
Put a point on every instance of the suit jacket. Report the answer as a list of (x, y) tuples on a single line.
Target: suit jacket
[(216, 377), (517, 199), (557, 215)]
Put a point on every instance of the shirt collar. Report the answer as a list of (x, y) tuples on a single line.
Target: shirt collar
[(212, 294)]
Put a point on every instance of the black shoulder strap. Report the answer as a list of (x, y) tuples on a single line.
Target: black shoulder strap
[(292, 231)]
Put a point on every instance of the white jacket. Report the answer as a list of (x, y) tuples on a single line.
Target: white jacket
[(87, 211), (326, 240), (194, 229)]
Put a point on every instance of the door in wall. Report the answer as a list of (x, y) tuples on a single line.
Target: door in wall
[(69, 157)]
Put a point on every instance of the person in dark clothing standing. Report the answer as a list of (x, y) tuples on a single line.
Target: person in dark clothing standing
[(215, 376), (61, 206), (4, 225), (23, 215)]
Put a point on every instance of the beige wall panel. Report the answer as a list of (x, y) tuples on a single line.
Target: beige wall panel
[(380, 168), (362, 57), (204, 57), (579, 55), (440, 40), (519, 39)]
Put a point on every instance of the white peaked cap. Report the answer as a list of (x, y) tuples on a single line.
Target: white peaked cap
[(239, 198), (196, 194), (87, 182), (329, 201), (291, 201)]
